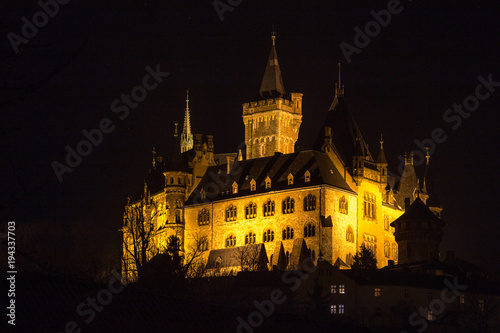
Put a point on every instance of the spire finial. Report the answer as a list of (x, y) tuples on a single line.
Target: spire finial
[(339, 89), (427, 154), (187, 99), (175, 133), (154, 157), (381, 141), (273, 36)]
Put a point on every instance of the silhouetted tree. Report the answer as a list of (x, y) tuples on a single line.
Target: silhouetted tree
[(364, 259)]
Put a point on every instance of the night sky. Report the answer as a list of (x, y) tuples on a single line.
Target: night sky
[(65, 78)]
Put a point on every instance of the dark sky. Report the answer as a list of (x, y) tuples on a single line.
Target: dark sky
[(64, 79)]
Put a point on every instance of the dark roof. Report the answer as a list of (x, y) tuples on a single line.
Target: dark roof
[(344, 132), (231, 257), (272, 83), (381, 155), (176, 161), (418, 211), (218, 183)]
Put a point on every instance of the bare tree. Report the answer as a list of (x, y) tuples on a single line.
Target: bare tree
[(480, 313), (249, 258), (138, 237)]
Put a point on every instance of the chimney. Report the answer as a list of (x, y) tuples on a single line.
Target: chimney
[(198, 142), (407, 204), (210, 143)]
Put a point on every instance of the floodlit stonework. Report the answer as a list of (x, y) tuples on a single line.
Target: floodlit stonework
[(321, 203)]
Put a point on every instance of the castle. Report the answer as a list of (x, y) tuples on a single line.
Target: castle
[(283, 204)]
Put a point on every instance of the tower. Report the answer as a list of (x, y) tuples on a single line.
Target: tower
[(272, 123), (418, 233), (177, 180), (186, 136)]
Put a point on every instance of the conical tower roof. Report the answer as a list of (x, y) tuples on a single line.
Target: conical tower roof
[(272, 82), (175, 161)]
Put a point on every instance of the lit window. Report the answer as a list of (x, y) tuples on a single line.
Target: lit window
[(251, 211), (250, 238), (370, 242), (268, 208), (309, 230), (203, 217), (350, 235), (341, 289), (268, 236), (288, 206), (386, 222), (333, 309), (333, 288), (341, 308), (204, 245), (377, 292), (395, 251), (235, 188), (430, 316), (309, 202), (253, 185), (231, 241), (343, 205), (387, 249), (231, 213), (369, 208), (287, 233)]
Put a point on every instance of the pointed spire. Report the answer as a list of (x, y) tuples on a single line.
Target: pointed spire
[(175, 161), (272, 82), (154, 157), (381, 155), (175, 133), (186, 136), (339, 88)]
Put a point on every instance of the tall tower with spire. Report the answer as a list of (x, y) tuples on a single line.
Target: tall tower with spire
[(186, 135), (272, 123)]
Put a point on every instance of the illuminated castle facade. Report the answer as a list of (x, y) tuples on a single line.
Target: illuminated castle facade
[(285, 204)]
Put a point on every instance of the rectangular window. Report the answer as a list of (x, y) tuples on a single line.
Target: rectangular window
[(333, 288), (341, 289), (377, 292), (430, 316), (333, 309), (369, 207), (341, 308), (462, 298)]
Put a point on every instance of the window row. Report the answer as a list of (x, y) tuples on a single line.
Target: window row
[(269, 208), (268, 236)]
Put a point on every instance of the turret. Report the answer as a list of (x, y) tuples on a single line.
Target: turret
[(418, 233), (382, 165)]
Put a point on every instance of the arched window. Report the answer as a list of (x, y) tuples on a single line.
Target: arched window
[(268, 236), (268, 182), (235, 188), (395, 251), (253, 185), (231, 213), (178, 218), (251, 211), (309, 230), (349, 235), (343, 205), (369, 208), (309, 202), (203, 217), (386, 222), (307, 176), (290, 179), (387, 249), (288, 206), (179, 180), (231, 241), (287, 233), (268, 208), (250, 238), (204, 245)]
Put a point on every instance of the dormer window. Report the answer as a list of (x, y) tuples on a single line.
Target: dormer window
[(235, 188), (268, 182), (203, 193), (290, 179), (253, 185), (307, 176)]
